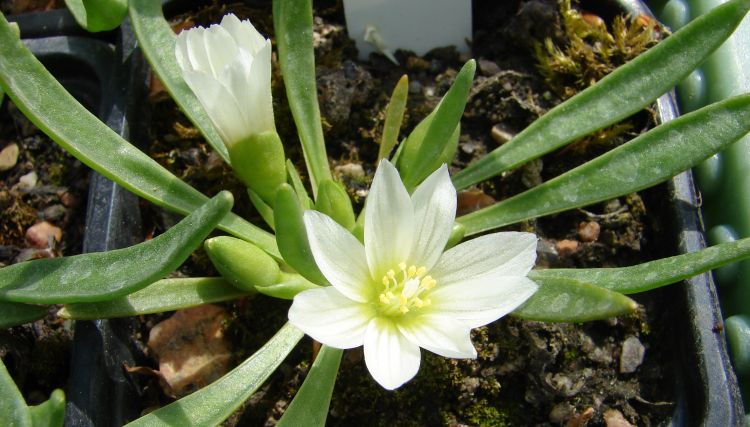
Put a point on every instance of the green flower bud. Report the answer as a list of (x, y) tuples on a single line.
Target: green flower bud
[(334, 202), (241, 263), (258, 161)]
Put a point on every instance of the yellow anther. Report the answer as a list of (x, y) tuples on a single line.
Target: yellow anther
[(418, 303), (412, 271), (384, 299), (402, 266), (428, 282), (390, 274), (386, 280), (390, 295), (403, 309), (421, 271), (403, 300)]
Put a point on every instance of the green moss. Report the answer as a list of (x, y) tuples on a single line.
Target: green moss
[(482, 414)]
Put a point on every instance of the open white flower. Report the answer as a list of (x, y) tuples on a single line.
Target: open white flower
[(228, 67), (399, 291)]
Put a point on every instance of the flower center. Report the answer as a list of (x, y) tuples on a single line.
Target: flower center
[(402, 289)]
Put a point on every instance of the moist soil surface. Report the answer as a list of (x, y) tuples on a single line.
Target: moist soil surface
[(527, 373)]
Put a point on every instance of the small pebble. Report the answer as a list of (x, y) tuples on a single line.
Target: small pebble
[(566, 247), (487, 67), (632, 355), (28, 181), (500, 134), (472, 200), (8, 157), (68, 199), (38, 235), (561, 412), (589, 231), (415, 87), (53, 212), (351, 170), (614, 418)]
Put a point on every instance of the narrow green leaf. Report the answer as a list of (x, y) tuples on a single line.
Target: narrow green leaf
[(290, 284), (98, 15), (214, 403), (158, 297), (292, 21), (310, 406), (292, 236), (299, 187), (157, 41), (394, 117), (241, 263), (54, 111), (620, 94), (649, 159), (50, 413), (566, 300), (653, 274), (334, 201), (265, 211), (424, 153), (13, 313), (106, 275), (13, 409)]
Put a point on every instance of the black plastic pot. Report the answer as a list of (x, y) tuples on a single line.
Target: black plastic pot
[(107, 75), (101, 394)]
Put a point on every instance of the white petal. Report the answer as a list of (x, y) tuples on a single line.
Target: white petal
[(440, 334), (243, 33), (339, 255), (219, 104), (196, 50), (330, 318), (220, 49), (181, 51), (390, 357), (259, 91), (434, 204), (480, 301), (498, 254), (389, 221)]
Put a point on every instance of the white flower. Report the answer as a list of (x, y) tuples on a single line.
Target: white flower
[(399, 291), (228, 67)]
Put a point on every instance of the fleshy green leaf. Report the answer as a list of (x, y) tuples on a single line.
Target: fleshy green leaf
[(265, 211), (620, 94), (212, 404), (163, 295), (13, 313), (394, 117), (649, 159), (567, 300), (241, 263), (424, 152), (334, 201), (653, 274), (106, 275), (98, 15), (292, 21), (13, 409), (289, 285), (54, 111), (50, 413), (299, 188), (291, 235), (310, 406), (157, 41)]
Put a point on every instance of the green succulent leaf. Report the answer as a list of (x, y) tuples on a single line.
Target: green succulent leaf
[(13, 313), (653, 274), (299, 187), (394, 117), (54, 111), (620, 94), (561, 299), (50, 413), (649, 159), (98, 15), (265, 211), (102, 276), (289, 285), (157, 41), (292, 21), (158, 297), (310, 406), (436, 137), (214, 403), (334, 201), (13, 409)]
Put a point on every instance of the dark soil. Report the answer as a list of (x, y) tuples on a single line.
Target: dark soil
[(527, 373)]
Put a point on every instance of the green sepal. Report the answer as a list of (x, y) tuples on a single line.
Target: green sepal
[(103, 276), (291, 236), (335, 202), (259, 162), (241, 263), (565, 300), (15, 313), (98, 15), (289, 285), (435, 140), (265, 211), (310, 405), (50, 413)]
